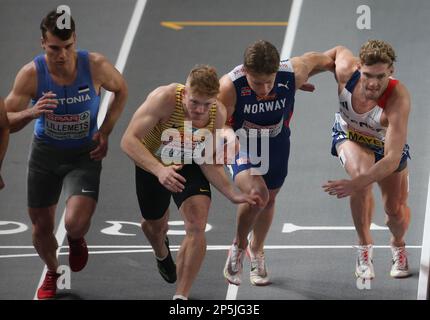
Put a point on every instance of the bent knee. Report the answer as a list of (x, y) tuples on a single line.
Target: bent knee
[(394, 208), (40, 230), (263, 193), (355, 170), (155, 226), (195, 228), (363, 194)]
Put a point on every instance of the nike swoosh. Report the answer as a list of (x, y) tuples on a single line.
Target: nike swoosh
[(86, 191), (204, 190)]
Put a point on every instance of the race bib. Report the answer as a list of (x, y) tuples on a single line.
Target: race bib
[(273, 130), (180, 148), (67, 126), (364, 139)]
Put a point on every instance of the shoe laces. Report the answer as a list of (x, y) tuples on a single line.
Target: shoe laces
[(257, 261), (400, 257), (50, 281), (363, 255), (236, 258)]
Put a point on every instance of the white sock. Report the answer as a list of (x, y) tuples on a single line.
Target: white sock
[(179, 297), (161, 259)]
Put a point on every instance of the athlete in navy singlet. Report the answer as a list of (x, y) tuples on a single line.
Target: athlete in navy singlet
[(64, 85), (273, 113), (259, 97)]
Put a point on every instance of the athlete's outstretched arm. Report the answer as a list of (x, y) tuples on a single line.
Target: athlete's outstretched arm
[(308, 64), (215, 173), (397, 111), (345, 63), (217, 177), (4, 137)]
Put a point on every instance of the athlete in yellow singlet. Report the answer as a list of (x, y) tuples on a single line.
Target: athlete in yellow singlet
[(156, 140)]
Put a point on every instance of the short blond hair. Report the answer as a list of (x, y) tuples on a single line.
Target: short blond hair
[(377, 51), (203, 80)]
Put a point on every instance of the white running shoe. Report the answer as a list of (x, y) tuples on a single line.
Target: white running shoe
[(364, 264), (400, 268), (234, 265), (258, 275)]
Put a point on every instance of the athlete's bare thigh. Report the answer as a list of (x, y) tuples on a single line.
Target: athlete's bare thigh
[(245, 181), (355, 158)]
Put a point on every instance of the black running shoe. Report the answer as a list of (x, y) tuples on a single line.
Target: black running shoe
[(167, 267)]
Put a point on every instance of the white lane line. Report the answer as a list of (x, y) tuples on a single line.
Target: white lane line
[(287, 48), (20, 227), (16, 247), (291, 227), (140, 249), (123, 54), (232, 292), (290, 35), (423, 280), (120, 64), (220, 247)]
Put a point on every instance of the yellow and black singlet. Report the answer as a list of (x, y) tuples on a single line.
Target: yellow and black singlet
[(176, 139)]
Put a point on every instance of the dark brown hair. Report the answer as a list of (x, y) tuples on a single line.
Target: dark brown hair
[(261, 57), (49, 23)]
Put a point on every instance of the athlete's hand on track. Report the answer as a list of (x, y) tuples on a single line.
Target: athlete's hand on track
[(170, 179), (46, 104), (102, 146)]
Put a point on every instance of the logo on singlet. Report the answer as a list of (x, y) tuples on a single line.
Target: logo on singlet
[(245, 91), (285, 85)]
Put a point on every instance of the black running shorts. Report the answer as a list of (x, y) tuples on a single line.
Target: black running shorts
[(154, 198), (50, 168)]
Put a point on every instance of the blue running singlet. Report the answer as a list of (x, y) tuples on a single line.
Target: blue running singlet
[(74, 121)]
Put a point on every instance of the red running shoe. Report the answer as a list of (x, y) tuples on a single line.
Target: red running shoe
[(78, 254), (49, 286)]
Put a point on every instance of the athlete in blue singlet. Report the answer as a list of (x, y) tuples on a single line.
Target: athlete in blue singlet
[(64, 85), (260, 95), (74, 121)]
